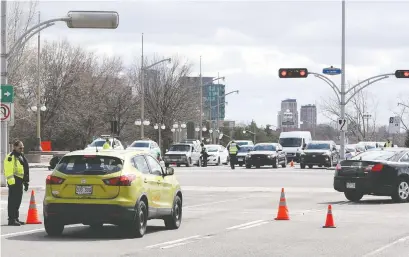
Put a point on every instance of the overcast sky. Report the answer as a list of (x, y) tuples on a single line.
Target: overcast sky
[(248, 42)]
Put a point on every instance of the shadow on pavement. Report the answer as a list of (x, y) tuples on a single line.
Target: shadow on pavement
[(362, 202), (107, 232)]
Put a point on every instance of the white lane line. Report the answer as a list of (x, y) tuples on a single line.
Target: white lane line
[(255, 225), (383, 248), (259, 189), (33, 231), (173, 242), (217, 202), (185, 243), (244, 224)]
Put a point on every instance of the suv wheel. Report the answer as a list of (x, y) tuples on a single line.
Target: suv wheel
[(401, 193), (353, 196), (284, 163), (53, 228), (189, 162), (139, 224), (302, 165), (275, 165), (173, 221)]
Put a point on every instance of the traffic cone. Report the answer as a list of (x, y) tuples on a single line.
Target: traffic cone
[(329, 223), (282, 208), (32, 217), (292, 163)]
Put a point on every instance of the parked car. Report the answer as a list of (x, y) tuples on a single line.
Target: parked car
[(146, 145), (266, 154), (241, 155), (350, 151), (99, 142), (217, 154), (321, 153), (382, 172), (241, 142), (186, 154)]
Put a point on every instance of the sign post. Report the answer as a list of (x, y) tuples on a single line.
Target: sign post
[(342, 125), (7, 104), (394, 125)]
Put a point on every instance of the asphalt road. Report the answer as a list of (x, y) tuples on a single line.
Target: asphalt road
[(231, 213)]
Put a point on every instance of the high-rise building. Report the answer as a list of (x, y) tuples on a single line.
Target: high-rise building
[(308, 116), (279, 120), (291, 106)]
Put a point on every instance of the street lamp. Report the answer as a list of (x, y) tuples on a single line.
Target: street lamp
[(159, 127), (253, 133), (178, 126), (141, 123), (38, 122), (367, 116), (74, 19), (218, 105)]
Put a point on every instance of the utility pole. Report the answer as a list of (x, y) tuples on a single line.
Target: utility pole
[(38, 147), (4, 124), (142, 95), (218, 106), (342, 93), (201, 101)]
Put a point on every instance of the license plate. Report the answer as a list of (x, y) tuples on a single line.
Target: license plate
[(240, 159), (313, 155), (83, 190), (350, 185)]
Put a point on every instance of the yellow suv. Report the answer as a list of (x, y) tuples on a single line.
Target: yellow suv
[(124, 188)]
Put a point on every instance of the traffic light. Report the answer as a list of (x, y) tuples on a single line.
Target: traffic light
[(402, 74), (293, 73)]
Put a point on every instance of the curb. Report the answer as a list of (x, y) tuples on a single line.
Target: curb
[(5, 190)]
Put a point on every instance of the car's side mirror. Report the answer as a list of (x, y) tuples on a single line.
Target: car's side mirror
[(169, 171), (279, 150)]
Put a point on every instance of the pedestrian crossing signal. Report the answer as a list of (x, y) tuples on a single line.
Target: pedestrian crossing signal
[(402, 74), (293, 73)]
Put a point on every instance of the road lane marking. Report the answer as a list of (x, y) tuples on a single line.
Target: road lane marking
[(244, 224), (217, 202), (383, 248), (33, 231), (255, 225), (258, 189), (173, 242), (186, 242)]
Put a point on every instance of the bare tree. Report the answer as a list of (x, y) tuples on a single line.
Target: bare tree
[(359, 126)]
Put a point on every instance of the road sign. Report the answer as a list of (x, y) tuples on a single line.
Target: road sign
[(332, 71), (342, 125), (7, 112), (6, 94), (394, 125)]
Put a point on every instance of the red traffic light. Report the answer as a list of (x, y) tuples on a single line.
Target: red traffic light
[(402, 74), (293, 73)]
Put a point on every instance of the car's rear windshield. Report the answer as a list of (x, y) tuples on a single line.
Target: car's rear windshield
[(180, 148), (242, 143), (98, 143), (89, 165), (140, 144), (245, 149), (317, 146), (375, 156)]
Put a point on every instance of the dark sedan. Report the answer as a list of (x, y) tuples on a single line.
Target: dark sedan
[(382, 173), (266, 154)]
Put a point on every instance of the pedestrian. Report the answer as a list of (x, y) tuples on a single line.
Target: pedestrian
[(16, 171), (388, 143), (106, 145), (204, 155), (233, 148)]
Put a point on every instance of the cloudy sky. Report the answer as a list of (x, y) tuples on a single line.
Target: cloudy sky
[(248, 41)]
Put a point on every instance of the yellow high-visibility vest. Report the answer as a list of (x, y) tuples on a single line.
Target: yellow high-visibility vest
[(233, 149), (388, 144), (12, 167), (106, 146)]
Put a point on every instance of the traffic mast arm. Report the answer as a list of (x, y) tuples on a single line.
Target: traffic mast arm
[(379, 78), (330, 83)]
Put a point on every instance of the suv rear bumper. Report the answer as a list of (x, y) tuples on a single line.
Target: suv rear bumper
[(365, 185), (88, 213)]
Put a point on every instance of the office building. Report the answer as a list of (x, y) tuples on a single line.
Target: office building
[(289, 114), (308, 116)]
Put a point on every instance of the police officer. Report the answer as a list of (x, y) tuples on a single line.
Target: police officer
[(106, 145), (16, 171), (204, 155), (388, 143), (233, 148)]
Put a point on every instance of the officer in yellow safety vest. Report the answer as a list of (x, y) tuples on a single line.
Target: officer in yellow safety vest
[(106, 145), (16, 171), (233, 149), (388, 143)]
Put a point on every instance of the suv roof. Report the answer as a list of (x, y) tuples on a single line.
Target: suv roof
[(108, 152)]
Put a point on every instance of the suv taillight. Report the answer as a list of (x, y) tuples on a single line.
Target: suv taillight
[(125, 180), (377, 167), (53, 180), (338, 167)]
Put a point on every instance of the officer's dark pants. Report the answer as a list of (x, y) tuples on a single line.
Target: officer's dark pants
[(14, 200), (233, 160), (204, 160)]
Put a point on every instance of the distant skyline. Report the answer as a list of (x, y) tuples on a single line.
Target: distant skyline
[(245, 42)]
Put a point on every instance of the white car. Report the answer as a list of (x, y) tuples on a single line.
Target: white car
[(146, 145), (99, 142), (350, 151), (218, 154), (182, 154)]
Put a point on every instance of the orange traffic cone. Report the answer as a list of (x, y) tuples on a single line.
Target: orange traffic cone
[(292, 163), (32, 217), (282, 208), (329, 223)]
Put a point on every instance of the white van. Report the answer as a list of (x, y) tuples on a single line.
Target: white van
[(293, 142)]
